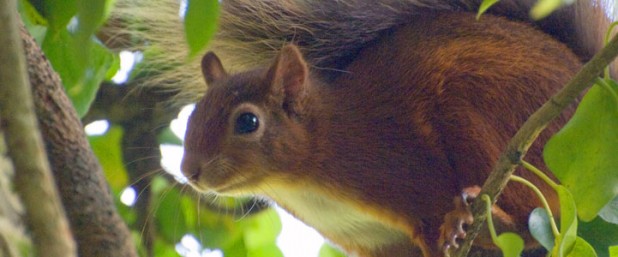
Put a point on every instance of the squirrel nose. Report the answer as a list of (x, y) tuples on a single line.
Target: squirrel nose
[(190, 168)]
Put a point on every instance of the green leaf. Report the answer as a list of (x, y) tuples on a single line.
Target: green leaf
[(58, 48), (91, 14), (610, 212), (328, 250), (33, 21), (80, 81), (218, 230), (270, 250), (168, 137), (107, 148), (238, 249), (568, 223), (582, 249), (191, 212), (215, 229), (583, 154), (540, 228), (113, 68), (262, 229), (200, 23), (543, 8), (57, 13), (164, 249), (613, 251), (170, 219), (600, 234), (159, 186), (485, 6), (101, 63), (29, 13), (511, 244)]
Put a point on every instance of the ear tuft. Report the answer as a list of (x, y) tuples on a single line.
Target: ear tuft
[(288, 75), (212, 69), (294, 70)]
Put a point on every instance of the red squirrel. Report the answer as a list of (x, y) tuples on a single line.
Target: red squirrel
[(376, 156)]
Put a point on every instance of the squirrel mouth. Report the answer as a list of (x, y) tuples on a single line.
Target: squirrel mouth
[(234, 187), (220, 177), (231, 187)]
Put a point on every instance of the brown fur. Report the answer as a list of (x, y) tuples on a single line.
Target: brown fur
[(382, 150)]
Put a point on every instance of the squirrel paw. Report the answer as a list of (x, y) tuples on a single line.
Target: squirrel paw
[(453, 226)]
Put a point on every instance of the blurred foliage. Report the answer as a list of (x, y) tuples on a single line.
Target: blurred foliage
[(66, 31), (540, 10), (330, 251), (200, 12)]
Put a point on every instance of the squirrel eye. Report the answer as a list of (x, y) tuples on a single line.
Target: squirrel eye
[(246, 123)]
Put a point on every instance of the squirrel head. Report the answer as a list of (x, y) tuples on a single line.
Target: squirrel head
[(246, 130)]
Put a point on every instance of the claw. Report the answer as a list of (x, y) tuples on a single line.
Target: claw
[(453, 227)]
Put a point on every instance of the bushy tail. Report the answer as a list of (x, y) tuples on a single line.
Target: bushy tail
[(328, 31), (252, 31), (155, 29)]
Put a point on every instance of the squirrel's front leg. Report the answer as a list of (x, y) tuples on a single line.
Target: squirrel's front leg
[(453, 229)]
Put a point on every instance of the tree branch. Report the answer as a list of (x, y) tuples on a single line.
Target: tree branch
[(33, 179), (99, 230), (14, 239), (536, 123)]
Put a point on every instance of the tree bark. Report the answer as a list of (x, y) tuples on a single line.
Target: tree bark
[(33, 179), (99, 231), (142, 114), (13, 239)]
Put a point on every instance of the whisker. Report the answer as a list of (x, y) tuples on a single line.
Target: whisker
[(153, 157), (147, 175), (141, 148)]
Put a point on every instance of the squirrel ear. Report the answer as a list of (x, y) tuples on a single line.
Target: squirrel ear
[(288, 75), (212, 69)]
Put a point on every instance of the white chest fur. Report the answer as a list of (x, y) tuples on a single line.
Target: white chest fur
[(337, 218)]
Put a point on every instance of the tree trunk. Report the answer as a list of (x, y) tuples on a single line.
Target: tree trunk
[(32, 180), (13, 239), (98, 229)]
